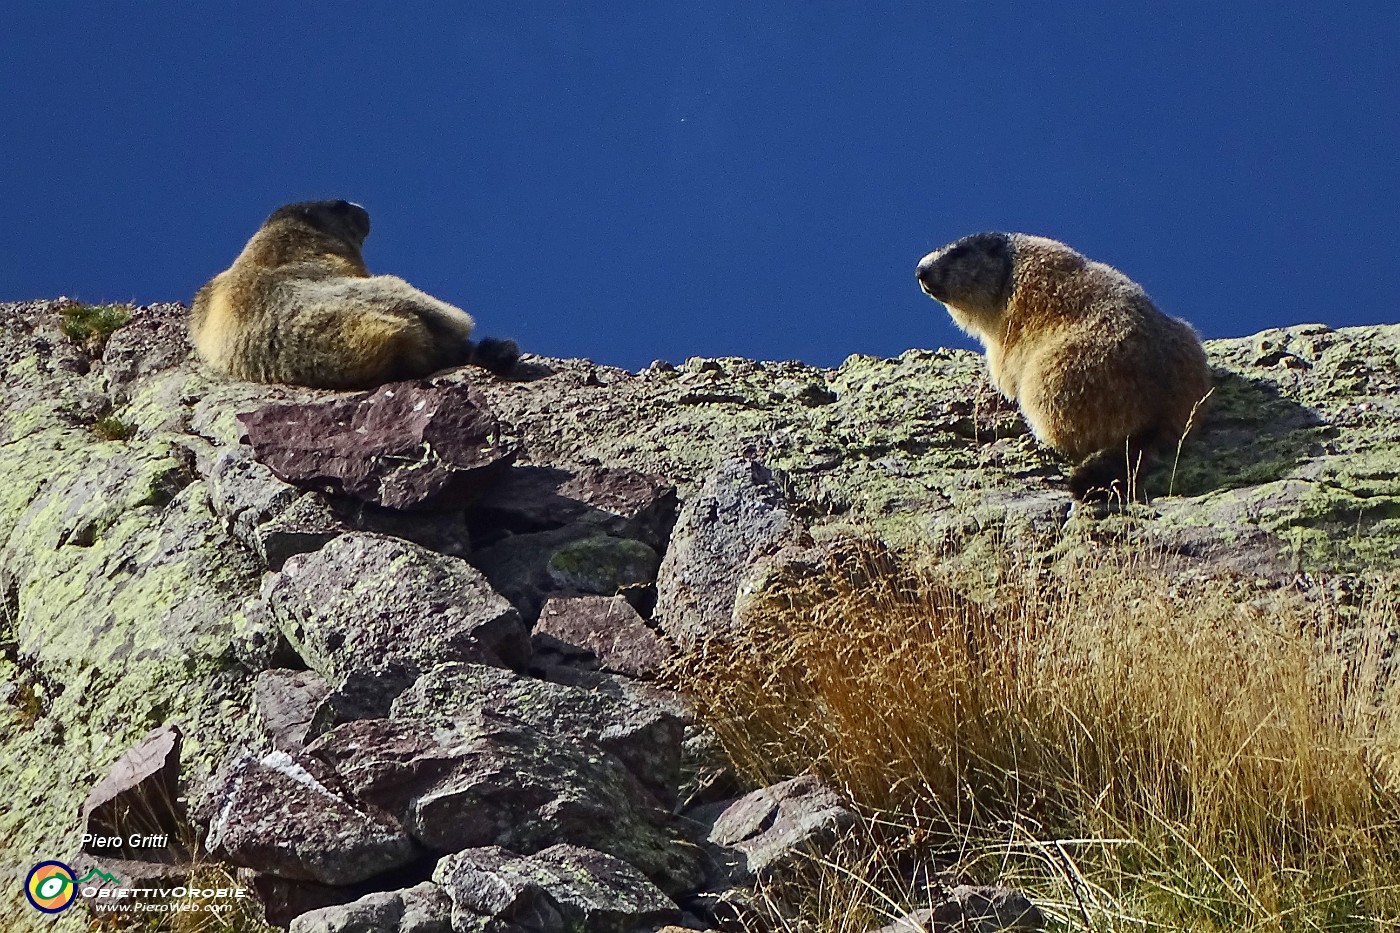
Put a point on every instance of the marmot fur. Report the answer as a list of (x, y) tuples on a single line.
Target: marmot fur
[(298, 306), (1100, 374)]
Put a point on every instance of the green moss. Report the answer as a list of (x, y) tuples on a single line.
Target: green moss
[(604, 565), (112, 428)]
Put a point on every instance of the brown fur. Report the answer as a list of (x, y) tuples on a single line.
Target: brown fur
[(298, 306), (1100, 374)]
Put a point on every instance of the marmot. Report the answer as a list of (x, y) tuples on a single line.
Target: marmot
[(1100, 374), (298, 306)]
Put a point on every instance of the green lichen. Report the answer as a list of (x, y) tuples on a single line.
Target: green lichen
[(125, 594)]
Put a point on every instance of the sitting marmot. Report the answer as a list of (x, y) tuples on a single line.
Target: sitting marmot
[(1100, 374)]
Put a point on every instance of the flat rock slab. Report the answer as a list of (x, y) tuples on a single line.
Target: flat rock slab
[(373, 604), (405, 445), (138, 796), (562, 888)]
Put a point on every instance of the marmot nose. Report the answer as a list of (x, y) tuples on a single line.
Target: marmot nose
[(924, 271)]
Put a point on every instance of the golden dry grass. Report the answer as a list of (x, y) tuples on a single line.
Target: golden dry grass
[(1134, 755)]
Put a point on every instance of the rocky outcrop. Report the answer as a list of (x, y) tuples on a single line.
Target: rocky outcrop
[(401, 631)]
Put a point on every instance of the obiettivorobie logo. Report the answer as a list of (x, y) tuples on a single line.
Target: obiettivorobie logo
[(51, 887)]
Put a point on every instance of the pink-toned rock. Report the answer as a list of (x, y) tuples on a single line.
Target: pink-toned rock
[(405, 445), (287, 816)]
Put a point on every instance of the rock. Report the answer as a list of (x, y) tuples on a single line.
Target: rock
[(601, 632), (154, 340), (285, 702), (139, 797), (563, 888), (617, 502), (774, 572), (644, 736), (490, 780), (974, 910), (738, 511), (423, 908), (283, 900), (371, 604), (273, 518), (287, 817), (129, 577), (405, 445), (358, 695), (771, 826), (45, 373)]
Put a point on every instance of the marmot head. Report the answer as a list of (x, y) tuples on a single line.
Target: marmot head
[(343, 220), (972, 276)]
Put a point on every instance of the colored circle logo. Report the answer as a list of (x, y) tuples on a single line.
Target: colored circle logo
[(51, 887)]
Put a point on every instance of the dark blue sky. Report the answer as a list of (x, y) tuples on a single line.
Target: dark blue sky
[(633, 181)]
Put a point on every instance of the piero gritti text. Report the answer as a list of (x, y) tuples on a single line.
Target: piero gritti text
[(134, 841)]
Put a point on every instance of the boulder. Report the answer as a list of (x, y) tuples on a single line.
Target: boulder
[(288, 816), (738, 512), (558, 890), (770, 827), (600, 632), (373, 604), (490, 780), (603, 565), (423, 908), (644, 735), (139, 797), (273, 518)]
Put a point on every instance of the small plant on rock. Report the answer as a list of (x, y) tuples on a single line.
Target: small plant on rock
[(91, 325)]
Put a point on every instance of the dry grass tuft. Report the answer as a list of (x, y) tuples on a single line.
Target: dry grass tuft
[(1134, 755)]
